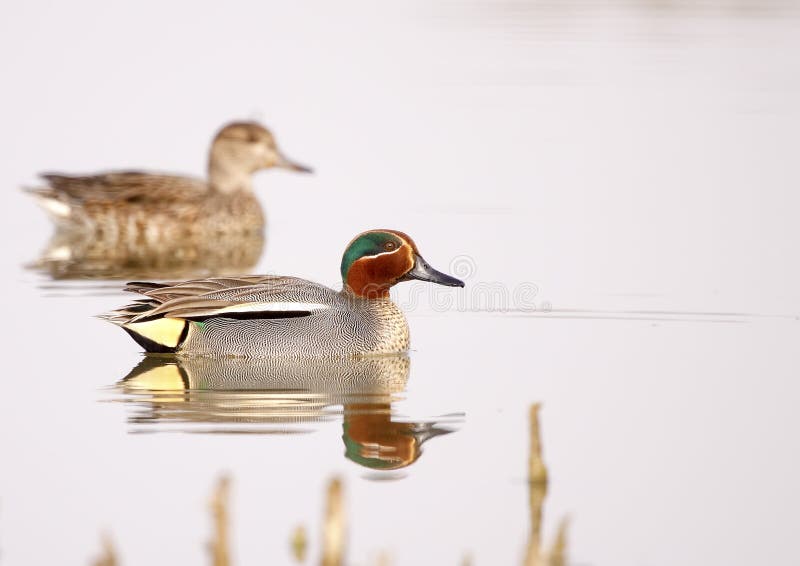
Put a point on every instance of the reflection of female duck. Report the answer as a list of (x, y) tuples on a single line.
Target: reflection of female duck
[(73, 255), (242, 395)]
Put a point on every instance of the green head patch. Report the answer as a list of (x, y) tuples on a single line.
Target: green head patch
[(368, 244)]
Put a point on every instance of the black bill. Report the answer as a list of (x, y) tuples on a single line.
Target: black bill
[(424, 272)]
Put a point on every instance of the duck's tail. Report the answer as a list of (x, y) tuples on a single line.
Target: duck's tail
[(63, 211), (58, 208), (158, 335)]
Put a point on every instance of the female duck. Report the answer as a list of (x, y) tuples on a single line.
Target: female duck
[(146, 207), (268, 315)]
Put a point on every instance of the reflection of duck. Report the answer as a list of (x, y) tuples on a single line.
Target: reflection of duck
[(73, 255), (373, 440), (332, 379), (129, 222), (285, 316), (239, 395)]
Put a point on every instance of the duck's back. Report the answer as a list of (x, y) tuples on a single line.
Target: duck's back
[(121, 186), (135, 205)]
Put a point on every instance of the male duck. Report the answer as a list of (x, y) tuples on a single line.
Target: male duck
[(136, 206), (269, 315)]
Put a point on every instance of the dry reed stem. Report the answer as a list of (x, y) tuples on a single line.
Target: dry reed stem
[(219, 544), (108, 555), (334, 526), (299, 544)]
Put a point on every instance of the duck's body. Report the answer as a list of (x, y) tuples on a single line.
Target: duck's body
[(144, 208), (337, 324), (275, 316), (136, 206), (261, 316)]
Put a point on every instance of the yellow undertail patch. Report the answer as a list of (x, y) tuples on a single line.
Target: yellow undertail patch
[(164, 331)]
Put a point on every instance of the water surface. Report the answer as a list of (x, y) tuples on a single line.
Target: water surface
[(617, 184)]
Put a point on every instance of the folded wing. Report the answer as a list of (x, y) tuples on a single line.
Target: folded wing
[(261, 296)]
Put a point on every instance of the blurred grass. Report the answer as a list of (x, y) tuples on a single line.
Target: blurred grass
[(334, 525), (333, 529), (219, 544), (535, 555), (299, 544), (108, 555)]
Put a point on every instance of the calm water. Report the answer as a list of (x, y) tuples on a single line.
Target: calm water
[(616, 184)]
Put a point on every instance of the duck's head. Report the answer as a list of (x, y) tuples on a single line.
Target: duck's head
[(377, 259), (240, 149)]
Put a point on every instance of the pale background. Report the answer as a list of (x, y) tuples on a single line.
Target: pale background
[(627, 157)]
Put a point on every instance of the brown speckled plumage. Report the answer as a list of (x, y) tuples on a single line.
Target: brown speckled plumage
[(143, 208), (74, 255)]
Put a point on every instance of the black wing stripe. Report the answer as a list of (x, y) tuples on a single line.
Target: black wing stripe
[(263, 315)]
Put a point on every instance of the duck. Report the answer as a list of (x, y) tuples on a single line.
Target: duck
[(282, 316), (143, 208)]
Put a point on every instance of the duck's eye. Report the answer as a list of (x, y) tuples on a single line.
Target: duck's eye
[(389, 246)]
